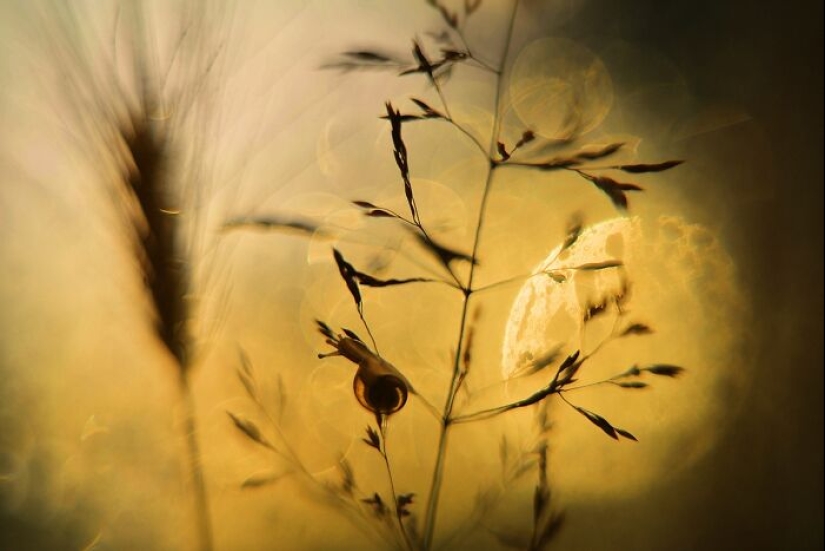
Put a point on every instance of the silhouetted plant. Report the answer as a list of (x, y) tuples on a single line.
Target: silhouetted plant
[(383, 388), (130, 133)]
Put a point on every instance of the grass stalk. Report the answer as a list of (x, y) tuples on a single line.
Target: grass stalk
[(455, 383), (203, 520), (382, 388), (382, 427)]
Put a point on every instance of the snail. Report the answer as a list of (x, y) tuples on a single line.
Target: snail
[(378, 385)]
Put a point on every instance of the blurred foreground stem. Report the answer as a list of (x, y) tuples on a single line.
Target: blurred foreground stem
[(202, 518)]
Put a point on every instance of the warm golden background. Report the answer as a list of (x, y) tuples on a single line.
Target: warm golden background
[(729, 272)]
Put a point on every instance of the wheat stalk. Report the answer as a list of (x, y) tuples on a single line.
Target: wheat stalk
[(127, 130)]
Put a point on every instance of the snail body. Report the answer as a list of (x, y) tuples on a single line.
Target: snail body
[(378, 385)]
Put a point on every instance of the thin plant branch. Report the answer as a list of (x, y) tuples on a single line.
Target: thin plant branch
[(441, 451), (382, 428), (284, 449), (382, 388)]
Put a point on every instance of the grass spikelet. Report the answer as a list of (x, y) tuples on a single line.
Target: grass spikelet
[(416, 522)]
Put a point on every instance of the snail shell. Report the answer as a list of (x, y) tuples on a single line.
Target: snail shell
[(384, 394), (378, 385)]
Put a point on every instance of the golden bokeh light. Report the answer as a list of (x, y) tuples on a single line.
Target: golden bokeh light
[(285, 396)]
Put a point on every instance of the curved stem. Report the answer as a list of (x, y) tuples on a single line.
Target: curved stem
[(552, 388), (288, 453), (492, 412), (481, 64), (566, 401), (467, 133), (443, 99), (450, 270), (382, 427), (431, 409), (523, 277), (369, 331)]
